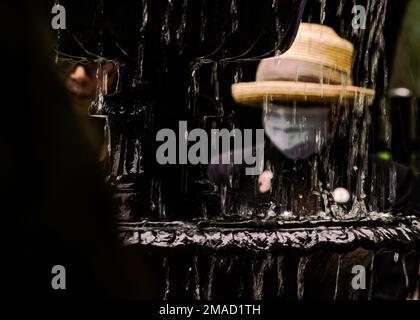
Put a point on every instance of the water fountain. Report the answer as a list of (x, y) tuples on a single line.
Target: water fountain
[(176, 61)]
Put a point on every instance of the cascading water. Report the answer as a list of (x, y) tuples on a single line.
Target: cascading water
[(176, 61)]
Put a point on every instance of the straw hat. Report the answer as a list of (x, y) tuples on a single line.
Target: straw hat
[(317, 68)]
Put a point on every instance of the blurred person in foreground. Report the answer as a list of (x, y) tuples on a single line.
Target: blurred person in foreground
[(56, 209)]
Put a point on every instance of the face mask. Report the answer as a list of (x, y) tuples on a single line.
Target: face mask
[(297, 132)]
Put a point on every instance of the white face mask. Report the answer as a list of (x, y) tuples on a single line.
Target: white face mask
[(298, 132)]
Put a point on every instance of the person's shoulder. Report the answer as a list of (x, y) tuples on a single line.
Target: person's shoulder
[(402, 171), (407, 183)]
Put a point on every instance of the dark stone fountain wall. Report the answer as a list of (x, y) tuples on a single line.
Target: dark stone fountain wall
[(177, 61)]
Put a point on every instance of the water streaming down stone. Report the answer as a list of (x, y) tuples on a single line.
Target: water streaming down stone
[(234, 15), (372, 51), (215, 81), (207, 80), (337, 278), (209, 289), (197, 287), (188, 279), (259, 269), (340, 8), (376, 46), (100, 19), (266, 272), (276, 8), (392, 185), (406, 277), (166, 33), (323, 4), (301, 276), (138, 78), (203, 19), (372, 278), (193, 88), (167, 278), (238, 74), (180, 32), (192, 280), (280, 275)]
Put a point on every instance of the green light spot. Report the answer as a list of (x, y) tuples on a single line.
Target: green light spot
[(385, 155)]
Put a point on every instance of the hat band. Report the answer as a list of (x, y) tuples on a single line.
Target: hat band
[(289, 69)]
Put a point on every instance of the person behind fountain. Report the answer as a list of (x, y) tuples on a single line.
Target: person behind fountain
[(310, 109)]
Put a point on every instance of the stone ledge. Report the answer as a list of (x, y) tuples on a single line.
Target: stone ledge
[(400, 233)]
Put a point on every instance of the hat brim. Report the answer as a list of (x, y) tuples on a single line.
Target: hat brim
[(256, 93)]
